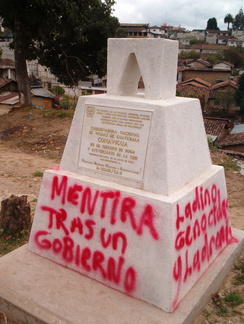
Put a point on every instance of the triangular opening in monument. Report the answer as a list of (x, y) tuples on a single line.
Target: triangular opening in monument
[(131, 77), (141, 85)]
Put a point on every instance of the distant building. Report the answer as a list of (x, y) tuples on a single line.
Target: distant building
[(41, 97), (145, 31), (7, 69), (7, 53), (135, 30), (7, 85), (233, 41)]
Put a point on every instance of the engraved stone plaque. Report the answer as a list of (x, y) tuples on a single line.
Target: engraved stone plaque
[(115, 141)]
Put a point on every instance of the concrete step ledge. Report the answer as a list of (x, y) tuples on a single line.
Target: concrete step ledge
[(35, 290)]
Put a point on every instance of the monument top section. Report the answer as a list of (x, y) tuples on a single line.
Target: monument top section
[(153, 59)]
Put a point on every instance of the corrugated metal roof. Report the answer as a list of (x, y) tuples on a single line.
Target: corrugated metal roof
[(3, 81), (238, 129), (41, 92), (7, 63), (10, 99)]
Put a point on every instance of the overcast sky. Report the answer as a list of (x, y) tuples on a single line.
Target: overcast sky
[(191, 14)]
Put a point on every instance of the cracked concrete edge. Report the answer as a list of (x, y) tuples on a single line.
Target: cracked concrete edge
[(216, 274)]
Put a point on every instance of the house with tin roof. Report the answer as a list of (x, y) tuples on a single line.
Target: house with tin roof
[(223, 66), (200, 64), (7, 85), (41, 97), (234, 41), (8, 100), (7, 69)]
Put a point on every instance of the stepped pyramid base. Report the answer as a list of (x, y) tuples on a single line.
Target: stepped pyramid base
[(36, 290)]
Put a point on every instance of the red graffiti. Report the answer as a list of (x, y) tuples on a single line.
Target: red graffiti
[(58, 189), (90, 261), (216, 242), (113, 239), (76, 221), (203, 198), (198, 227), (58, 219), (192, 228), (107, 204)]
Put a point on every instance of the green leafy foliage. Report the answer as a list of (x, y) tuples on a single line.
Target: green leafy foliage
[(67, 36), (214, 58), (10, 242), (190, 54), (238, 23), (38, 174), (240, 93), (68, 102), (75, 39), (59, 91), (234, 56), (226, 99), (228, 20), (121, 33), (234, 299), (221, 309), (229, 164), (212, 24), (59, 113), (195, 40)]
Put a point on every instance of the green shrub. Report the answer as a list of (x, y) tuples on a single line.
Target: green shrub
[(57, 113), (38, 174), (68, 102), (234, 299), (228, 163)]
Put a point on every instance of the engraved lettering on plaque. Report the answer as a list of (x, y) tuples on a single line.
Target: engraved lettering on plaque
[(114, 141)]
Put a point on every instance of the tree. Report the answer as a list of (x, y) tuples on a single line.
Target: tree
[(238, 23), (228, 20), (191, 54), (234, 56), (225, 99), (195, 40), (212, 24), (240, 93), (59, 91), (121, 33), (67, 36)]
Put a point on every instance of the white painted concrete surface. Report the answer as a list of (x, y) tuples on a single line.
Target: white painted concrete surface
[(38, 291)]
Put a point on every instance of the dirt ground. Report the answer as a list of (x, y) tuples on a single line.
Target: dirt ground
[(32, 140)]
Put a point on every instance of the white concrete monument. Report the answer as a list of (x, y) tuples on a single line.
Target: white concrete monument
[(136, 203)]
